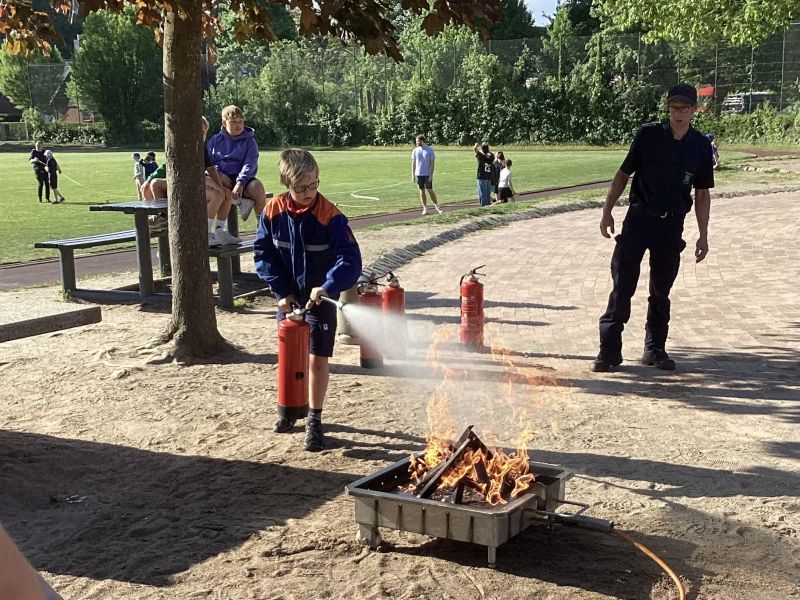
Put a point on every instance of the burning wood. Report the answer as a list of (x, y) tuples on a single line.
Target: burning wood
[(451, 467)]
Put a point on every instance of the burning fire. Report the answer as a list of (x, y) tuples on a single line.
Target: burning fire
[(503, 475), (494, 474)]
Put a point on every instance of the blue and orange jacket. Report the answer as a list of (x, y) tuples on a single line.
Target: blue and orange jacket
[(296, 251)]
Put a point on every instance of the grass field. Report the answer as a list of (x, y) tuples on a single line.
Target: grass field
[(381, 177)]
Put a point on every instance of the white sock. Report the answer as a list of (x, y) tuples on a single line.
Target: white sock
[(210, 225), (220, 226)]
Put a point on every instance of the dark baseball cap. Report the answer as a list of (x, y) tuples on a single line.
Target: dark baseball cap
[(151, 154), (683, 92)]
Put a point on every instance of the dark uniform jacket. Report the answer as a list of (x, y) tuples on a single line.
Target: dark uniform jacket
[(297, 250), (665, 169)]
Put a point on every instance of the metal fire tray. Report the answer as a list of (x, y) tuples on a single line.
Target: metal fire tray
[(378, 505)]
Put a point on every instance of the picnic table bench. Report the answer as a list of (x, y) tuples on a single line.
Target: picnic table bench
[(227, 257), (67, 249)]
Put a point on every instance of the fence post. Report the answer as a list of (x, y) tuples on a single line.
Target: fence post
[(750, 95), (639, 57), (783, 67), (716, 75)]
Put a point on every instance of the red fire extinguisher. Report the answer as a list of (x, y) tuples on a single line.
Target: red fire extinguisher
[(472, 309), (394, 311), (293, 336), (370, 351)]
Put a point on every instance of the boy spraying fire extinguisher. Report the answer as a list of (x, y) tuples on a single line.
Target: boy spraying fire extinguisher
[(305, 250)]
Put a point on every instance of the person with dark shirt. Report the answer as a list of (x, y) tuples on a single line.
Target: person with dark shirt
[(498, 165), (53, 171), (149, 164), (666, 160), (485, 160), (38, 161)]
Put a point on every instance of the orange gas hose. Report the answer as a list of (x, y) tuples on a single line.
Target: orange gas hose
[(657, 559)]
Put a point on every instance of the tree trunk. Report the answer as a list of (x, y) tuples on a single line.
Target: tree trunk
[(193, 327)]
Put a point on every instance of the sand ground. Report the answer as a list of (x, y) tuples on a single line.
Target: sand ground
[(124, 479)]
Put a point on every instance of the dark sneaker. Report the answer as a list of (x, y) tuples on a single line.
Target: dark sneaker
[(314, 441), (604, 364), (659, 359), (283, 425)]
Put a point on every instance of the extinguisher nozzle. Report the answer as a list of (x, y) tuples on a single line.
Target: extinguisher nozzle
[(339, 304)]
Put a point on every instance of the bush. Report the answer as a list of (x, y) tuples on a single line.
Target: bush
[(764, 125)]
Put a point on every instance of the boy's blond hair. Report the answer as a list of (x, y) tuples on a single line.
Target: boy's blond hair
[(232, 112), (296, 162)]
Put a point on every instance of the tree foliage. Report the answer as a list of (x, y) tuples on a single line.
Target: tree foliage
[(368, 22), (514, 21), (118, 70), (740, 22)]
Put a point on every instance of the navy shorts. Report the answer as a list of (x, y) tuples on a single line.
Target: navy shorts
[(424, 182), (322, 320)]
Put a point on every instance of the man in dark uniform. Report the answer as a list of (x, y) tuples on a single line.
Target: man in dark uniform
[(38, 161), (668, 160)]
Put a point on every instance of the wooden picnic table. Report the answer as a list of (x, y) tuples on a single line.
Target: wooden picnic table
[(141, 210), (228, 262)]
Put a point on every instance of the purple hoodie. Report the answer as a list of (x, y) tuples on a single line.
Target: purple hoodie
[(236, 157)]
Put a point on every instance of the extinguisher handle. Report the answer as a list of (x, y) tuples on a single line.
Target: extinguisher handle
[(475, 270)]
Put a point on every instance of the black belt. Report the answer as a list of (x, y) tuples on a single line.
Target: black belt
[(652, 212)]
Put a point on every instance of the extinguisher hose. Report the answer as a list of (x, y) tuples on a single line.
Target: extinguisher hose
[(657, 559)]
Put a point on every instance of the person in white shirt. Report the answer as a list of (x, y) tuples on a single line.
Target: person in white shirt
[(505, 187), (423, 161)]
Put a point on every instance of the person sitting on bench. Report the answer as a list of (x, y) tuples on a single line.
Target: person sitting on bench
[(235, 155)]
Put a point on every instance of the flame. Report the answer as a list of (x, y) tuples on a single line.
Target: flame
[(508, 474)]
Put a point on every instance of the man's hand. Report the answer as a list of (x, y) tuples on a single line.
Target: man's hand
[(316, 294), (606, 224), (287, 304), (700, 249), (238, 189)]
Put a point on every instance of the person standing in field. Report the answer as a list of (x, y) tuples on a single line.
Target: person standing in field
[(505, 189), (138, 173), (38, 161), (485, 159), (423, 162), (53, 171), (497, 166)]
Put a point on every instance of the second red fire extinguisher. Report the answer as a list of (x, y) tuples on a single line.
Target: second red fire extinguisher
[(394, 311), (293, 337), (370, 350), (471, 292)]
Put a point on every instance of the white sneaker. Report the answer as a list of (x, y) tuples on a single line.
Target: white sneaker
[(245, 207), (424, 210), (225, 238), (212, 240), (438, 210)]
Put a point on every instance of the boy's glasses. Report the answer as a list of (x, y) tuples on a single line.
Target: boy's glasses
[(680, 108), (305, 188)]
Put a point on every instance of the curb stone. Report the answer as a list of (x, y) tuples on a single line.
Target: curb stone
[(398, 257)]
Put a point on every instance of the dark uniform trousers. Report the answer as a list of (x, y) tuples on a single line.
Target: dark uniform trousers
[(44, 182), (642, 231)]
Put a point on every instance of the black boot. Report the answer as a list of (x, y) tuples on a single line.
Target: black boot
[(605, 364), (659, 359), (314, 441), (283, 425)]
